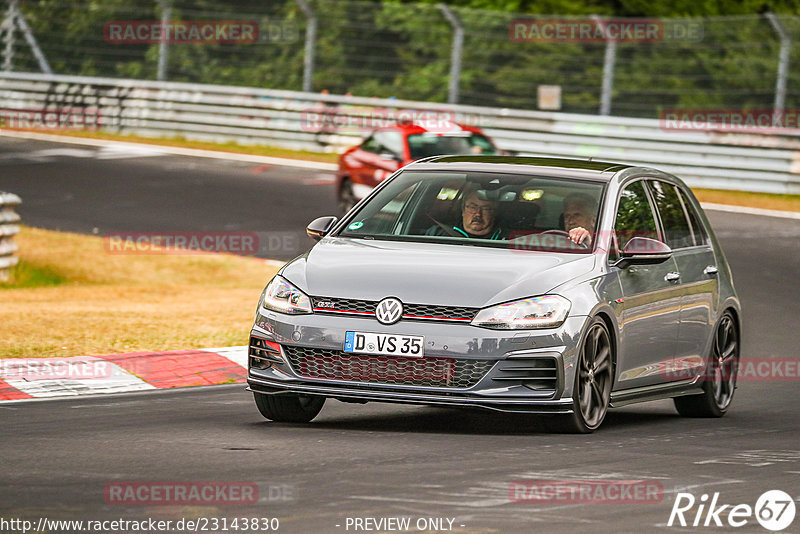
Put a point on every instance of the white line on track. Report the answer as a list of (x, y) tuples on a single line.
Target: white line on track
[(175, 151), (750, 211)]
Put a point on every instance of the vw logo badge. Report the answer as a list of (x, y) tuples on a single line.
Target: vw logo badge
[(389, 310)]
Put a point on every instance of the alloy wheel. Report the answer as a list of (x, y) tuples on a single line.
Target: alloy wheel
[(595, 375), (724, 362)]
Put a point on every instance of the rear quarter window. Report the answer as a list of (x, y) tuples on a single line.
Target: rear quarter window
[(698, 230), (677, 230)]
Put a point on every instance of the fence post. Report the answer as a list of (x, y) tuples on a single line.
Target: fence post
[(163, 45), (455, 54), (608, 70), (12, 19), (311, 38), (7, 232), (783, 68), (8, 36), (37, 52)]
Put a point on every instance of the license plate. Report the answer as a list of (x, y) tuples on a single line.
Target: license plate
[(385, 344)]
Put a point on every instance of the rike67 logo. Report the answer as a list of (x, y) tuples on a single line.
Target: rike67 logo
[(774, 510)]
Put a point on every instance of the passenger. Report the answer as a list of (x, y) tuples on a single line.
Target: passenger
[(580, 217)]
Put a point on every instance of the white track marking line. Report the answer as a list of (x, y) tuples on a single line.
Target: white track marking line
[(175, 151), (237, 355), (750, 211)]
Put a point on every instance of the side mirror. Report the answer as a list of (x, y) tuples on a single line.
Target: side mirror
[(320, 226), (644, 251)]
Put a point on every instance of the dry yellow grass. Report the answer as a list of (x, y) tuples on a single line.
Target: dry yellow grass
[(123, 303), (751, 200)]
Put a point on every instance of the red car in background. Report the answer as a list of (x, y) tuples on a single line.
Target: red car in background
[(387, 149)]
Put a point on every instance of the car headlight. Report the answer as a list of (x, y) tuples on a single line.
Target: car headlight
[(548, 311), (281, 296)]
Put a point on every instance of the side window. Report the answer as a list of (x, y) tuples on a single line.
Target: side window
[(480, 144), (391, 141), (634, 215), (677, 232), (700, 236), (371, 145)]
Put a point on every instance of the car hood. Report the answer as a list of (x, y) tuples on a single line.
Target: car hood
[(430, 273)]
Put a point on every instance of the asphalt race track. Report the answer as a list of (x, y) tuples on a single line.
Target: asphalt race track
[(374, 461)]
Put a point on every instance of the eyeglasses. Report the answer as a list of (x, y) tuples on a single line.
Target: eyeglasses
[(474, 208)]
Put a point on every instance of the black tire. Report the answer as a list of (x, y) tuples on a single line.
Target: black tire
[(719, 378), (594, 375), (347, 198), (289, 407)]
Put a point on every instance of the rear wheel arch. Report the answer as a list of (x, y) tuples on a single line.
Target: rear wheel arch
[(719, 379), (737, 321), (611, 325)]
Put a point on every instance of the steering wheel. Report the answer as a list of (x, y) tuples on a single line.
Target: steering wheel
[(564, 233), (447, 229)]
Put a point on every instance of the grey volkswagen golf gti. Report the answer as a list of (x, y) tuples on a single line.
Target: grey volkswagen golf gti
[(531, 285)]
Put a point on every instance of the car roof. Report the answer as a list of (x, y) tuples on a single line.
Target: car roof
[(578, 168), (421, 127)]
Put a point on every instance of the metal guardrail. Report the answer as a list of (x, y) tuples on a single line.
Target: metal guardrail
[(330, 123), (8, 201)]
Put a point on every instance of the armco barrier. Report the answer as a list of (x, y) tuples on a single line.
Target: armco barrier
[(8, 230), (318, 122)]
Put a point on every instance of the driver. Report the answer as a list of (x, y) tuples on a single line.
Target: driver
[(478, 219), (580, 217)]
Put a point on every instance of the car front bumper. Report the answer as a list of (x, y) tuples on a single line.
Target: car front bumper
[(510, 371)]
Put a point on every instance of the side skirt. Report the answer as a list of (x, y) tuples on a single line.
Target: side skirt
[(623, 397)]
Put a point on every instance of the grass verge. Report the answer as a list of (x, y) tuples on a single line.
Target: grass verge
[(70, 298)]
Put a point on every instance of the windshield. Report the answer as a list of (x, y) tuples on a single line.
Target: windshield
[(483, 209), (429, 144)]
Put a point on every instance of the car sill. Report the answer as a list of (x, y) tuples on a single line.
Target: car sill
[(655, 392)]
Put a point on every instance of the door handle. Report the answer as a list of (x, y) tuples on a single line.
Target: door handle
[(711, 270), (672, 277)]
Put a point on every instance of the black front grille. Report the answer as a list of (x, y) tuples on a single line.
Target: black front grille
[(540, 374), (343, 305), (261, 354), (411, 312), (438, 312), (429, 372)]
